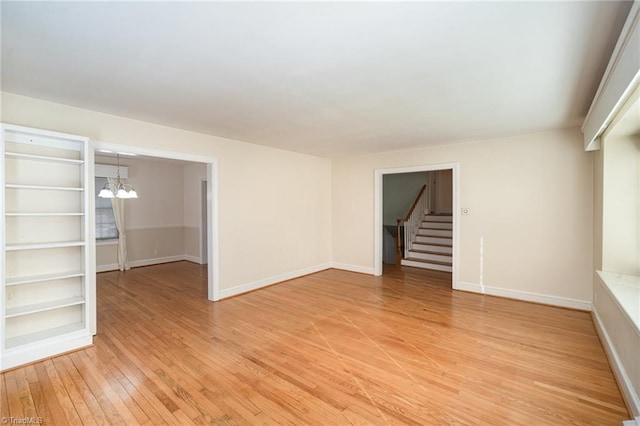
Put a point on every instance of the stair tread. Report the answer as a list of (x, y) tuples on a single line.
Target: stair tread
[(433, 244), (437, 221), (436, 229), (432, 236), (435, 262), (431, 252)]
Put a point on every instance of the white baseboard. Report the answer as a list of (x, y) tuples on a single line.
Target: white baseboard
[(629, 394), (545, 299), (254, 285), (194, 259), (353, 268), (147, 262), (46, 348), (156, 260), (106, 268)]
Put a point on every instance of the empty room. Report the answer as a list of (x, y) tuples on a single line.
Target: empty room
[(369, 213)]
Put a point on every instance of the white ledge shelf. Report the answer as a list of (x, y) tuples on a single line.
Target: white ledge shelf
[(626, 291), (45, 306), (42, 278), (34, 214), (38, 246), (56, 332), (43, 187), (43, 158)]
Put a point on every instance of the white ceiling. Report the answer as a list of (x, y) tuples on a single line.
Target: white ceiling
[(323, 78)]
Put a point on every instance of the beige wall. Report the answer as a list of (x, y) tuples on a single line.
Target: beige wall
[(598, 183), (531, 200), (193, 174), (274, 205), (155, 243), (154, 180), (155, 223), (620, 196), (441, 186)]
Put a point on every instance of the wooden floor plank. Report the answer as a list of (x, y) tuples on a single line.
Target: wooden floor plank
[(71, 416), (83, 399), (330, 348), (39, 397), (4, 398)]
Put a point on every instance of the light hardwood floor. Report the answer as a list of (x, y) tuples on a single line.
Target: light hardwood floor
[(331, 348)]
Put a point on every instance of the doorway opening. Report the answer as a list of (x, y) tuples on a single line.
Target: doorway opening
[(198, 182), (429, 195)]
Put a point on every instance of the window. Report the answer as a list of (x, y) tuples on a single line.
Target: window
[(105, 220)]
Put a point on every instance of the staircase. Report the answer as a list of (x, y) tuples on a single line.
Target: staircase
[(432, 244)]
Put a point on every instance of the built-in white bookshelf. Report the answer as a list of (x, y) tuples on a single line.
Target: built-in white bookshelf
[(45, 297)]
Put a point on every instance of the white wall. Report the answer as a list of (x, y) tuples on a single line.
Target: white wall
[(530, 199), (274, 205)]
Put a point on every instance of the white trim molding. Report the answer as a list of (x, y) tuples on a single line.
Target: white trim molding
[(545, 299), (192, 259), (107, 267), (156, 260), (109, 242), (153, 227), (630, 395), (109, 171), (213, 253), (377, 220), (620, 78), (146, 262), (255, 285), (45, 348), (353, 268)]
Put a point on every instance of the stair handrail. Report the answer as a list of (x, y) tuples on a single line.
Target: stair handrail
[(412, 220)]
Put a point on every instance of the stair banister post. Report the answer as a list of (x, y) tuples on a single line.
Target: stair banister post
[(412, 219)]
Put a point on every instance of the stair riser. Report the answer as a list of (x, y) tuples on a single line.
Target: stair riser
[(438, 218), (428, 256), (426, 265), (436, 232), (441, 225), (421, 239), (429, 247)]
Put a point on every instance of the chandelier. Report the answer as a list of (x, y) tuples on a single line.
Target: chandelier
[(118, 189)]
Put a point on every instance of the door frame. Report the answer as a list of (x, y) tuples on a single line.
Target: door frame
[(205, 203), (377, 222), (213, 270)]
